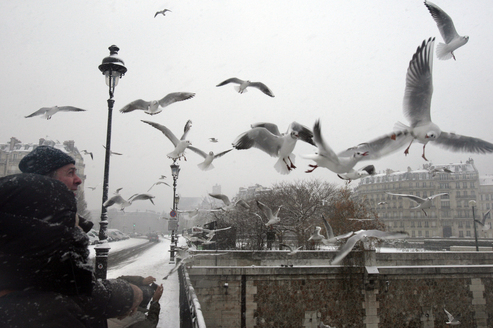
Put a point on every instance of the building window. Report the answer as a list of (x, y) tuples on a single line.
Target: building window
[(419, 233), (461, 233), (419, 224), (427, 233), (426, 224), (468, 233), (413, 234), (460, 224)]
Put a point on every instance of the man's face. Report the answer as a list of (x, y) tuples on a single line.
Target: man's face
[(67, 174)]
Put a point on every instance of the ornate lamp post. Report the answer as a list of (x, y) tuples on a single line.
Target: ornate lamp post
[(175, 170), (113, 68), (472, 203)]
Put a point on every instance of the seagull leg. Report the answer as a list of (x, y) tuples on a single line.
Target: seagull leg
[(424, 153), (407, 149), (424, 212), (453, 56), (287, 165), (313, 168)]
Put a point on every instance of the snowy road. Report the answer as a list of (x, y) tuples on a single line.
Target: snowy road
[(154, 261)]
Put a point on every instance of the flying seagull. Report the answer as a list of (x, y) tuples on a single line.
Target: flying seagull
[(327, 158), (228, 204), (266, 137), (272, 217), (423, 203), (154, 107), (483, 222), (209, 232), (158, 183), (118, 199), (434, 170), (331, 238), (292, 250), (213, 140), (85, 152), (451, 320), (185, 256), (94, 188), (206, 165), (244, 84), (447, 29), (48, 112), (180, 145), (112, 152), (345, 249), (163, 12), (417, 102), (364, 172)]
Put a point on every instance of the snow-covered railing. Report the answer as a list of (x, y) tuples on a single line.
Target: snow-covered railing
[(190, 311)]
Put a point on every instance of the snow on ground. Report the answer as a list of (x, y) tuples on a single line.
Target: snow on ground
[(152, 262)]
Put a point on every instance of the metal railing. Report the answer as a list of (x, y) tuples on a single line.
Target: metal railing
[(190, 310)]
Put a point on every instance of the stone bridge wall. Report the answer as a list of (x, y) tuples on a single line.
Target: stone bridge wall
[(367, 289)]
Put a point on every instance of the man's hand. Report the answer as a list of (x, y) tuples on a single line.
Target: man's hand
[(138, 297), (148, 280), (158, 293)]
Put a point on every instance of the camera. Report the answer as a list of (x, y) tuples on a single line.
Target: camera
[(148, 292)]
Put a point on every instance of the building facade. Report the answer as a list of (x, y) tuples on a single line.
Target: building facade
[(450, 216)]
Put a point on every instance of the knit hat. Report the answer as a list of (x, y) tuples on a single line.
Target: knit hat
[(44, 159), (40, 246)]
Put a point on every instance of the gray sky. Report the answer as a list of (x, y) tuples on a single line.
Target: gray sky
[(343, 62)]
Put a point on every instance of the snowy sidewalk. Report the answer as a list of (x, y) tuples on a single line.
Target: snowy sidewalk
[(154, 262)]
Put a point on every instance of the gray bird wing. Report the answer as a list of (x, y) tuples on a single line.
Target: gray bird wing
[(174, 97), (117, 199), (304, 133), (438, 195), (198, 151), (328, 229), (136, 104), (231, 80), (222, 153), (40, 111), (444, 22), (242, 203), (167, 132), (265, 209), (187, 127), (417, 199), (485, 216), (142, 197), (269, 126), (323, 148), (459, 143), (345, 249), (419, 85), (260, 138), (262, 87), (70, 109), (222, 197), (381, 146)]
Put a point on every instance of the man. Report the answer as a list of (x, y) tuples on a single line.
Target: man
[(108, 297)]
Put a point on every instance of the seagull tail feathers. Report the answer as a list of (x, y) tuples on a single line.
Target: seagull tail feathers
[(282, 167), (205, 167), (238, 88), (399, 126), (443, 51)]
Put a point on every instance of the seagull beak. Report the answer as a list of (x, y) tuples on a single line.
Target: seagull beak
[(365, 153)]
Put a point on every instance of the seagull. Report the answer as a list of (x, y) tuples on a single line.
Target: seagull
[(382, 203), (331, 238), (206, 165), (213, 140), (112, 152), (327, 158), (483, 222), (48, 112), (117, 192), (118, 199), (186, 257), (163, 12), (158, 183), (272, 218), (434, 170), (244, 84), (345, 249), (154, 107), (423, 203), (94, 188), (451, 320), (322, 325), (87, 153), (180, 145), (317, 236), (292, 250), (266, 137), (230, 206), (447, 29), (417, 101), (162, 177), (364, 172), (209, 232)]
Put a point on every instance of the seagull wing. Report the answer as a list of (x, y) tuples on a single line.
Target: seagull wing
[(438, 195), (40, 111), (70, 109), (287, 246), (345, 249), (328, 228), (231, 80), (136, 104), (198, 151), (417, 199), (262, 87), (323, 148), (222, 197), (304, 133), (260, 138), (269, 126), (459, 143), (167, 132), (117, 199), (187, 127), (174, 97), (485, 216), (419, 85), (444, 22), (221, 153), (265, 209)]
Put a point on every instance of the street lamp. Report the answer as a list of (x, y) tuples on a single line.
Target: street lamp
[(472, 203), (113, 68), (175, 170)]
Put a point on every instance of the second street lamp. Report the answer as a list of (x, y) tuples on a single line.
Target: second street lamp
[(175, 170), (113, 69)]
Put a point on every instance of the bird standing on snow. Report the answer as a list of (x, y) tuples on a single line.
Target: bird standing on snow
[(206, 165), (48, 112), (447, 29), (180, 145), (423, 203), (162, 12), (266, 137), (244, 84), (154, 107)]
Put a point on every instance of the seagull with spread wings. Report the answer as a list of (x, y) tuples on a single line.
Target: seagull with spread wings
[(154, 107), (158, 183), (48, 112), (272, 217), (228, 204), (243, 85), (180, 145), (206, 165), (162, 12), (423, 203), (485, 226), (266, 137)]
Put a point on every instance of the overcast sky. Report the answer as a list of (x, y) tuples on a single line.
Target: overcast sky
[(344, 62)]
